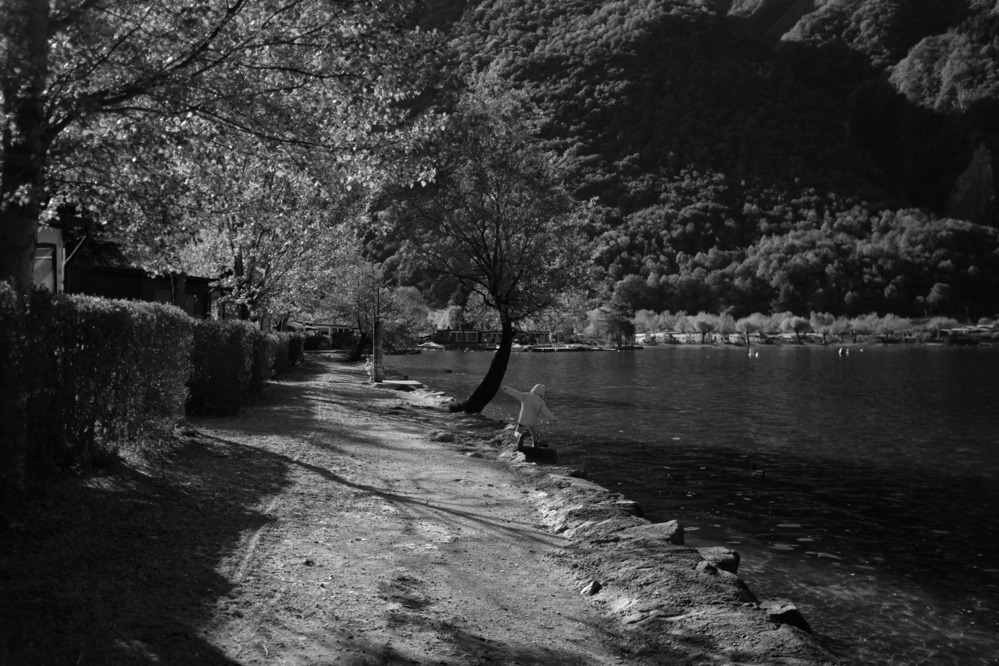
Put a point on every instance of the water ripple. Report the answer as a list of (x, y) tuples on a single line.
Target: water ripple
[(863, 487)]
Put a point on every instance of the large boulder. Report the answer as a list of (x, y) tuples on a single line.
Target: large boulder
[(721, 557), (782, 611), (670, 531)]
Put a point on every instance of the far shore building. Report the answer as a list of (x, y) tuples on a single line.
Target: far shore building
[(329, 328)]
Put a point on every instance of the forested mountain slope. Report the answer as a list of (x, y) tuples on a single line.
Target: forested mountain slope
[(804, 155)]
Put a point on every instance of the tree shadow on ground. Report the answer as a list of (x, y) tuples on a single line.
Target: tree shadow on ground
[(302, 403), (459, 507), (460, 646), (123, 567)]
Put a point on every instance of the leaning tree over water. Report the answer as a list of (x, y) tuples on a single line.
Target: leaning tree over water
[(496, 218)]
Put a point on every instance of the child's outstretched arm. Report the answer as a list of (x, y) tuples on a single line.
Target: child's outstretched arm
[(514, 393)]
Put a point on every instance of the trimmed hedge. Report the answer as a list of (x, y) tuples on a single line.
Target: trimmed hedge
[(221, 361), (296, 348), (318, 343), (233, 359), (13, 397), (82, 375)]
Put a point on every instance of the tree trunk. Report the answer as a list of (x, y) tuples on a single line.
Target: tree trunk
[(364, 343), (364, 337), (491, 383), (238, 272), (18, 236), (23, 73)]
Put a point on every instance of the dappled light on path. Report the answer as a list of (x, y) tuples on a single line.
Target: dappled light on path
[(387, 548)]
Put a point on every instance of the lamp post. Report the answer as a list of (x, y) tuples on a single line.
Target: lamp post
[(378, 371)]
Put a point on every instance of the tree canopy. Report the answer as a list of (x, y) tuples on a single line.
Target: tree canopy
[(113, 106), (496, 217), (838, 157)]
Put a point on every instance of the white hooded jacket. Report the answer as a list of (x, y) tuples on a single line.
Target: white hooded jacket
[(532, 405)]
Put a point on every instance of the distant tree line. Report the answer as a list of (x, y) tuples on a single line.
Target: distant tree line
[(848, 263), (822, 324)]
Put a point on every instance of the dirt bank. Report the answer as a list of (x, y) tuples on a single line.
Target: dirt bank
[(324, 526)]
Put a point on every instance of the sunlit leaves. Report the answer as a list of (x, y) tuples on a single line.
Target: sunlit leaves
[(949, 73), (497, 218), (141, 98)]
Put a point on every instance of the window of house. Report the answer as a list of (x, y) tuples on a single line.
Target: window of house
[(45, 266)]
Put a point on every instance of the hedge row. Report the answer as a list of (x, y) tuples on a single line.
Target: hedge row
[(79, 376), (233, 359)]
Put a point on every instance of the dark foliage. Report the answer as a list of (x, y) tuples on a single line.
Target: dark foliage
[(748, 156), (230, 360), (82, 376)]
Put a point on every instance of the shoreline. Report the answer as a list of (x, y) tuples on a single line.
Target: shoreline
[(336, 522), (643, 575), (799, 537), (832, 344)]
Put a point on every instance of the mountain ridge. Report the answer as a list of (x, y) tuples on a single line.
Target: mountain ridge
[(708, 132)]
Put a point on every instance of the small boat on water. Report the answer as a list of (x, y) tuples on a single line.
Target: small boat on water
[(430, 346)]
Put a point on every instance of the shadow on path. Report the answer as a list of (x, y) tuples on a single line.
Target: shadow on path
[(122, 568)]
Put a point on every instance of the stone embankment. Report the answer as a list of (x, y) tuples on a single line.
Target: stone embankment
[(680, 605), (323, 526)]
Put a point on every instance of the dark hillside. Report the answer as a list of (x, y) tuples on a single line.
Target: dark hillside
[(921, 79), (716, 136), (882, 30), (657, 87)]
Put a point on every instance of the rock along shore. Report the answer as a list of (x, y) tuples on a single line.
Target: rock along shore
[(677, 603), (334, 522)]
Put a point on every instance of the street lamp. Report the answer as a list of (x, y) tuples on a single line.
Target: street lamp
[(378, 371)]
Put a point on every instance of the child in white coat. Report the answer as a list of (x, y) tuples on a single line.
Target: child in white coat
[(532, 408)]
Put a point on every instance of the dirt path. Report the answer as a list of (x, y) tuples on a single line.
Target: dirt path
[(383, 547), (322, 526)]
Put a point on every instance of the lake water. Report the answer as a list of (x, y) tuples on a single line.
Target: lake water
[(864, 487)]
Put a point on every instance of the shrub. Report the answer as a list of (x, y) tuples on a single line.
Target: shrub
[(318, 343), (221, 366), (13, 396), (296, 347), (281, 342), (233, 359), (288, 350), (264, 348), (81, 376), (271, 356), (112, 371)]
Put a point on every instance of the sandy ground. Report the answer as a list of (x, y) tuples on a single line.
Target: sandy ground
[(323, 526)]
